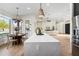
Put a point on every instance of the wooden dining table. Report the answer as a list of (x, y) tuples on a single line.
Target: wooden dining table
[(18, 38)]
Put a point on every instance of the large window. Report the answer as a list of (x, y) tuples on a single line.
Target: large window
[(4, 24), (4, 28)]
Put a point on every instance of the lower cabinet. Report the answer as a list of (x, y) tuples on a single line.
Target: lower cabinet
[(41, 49)]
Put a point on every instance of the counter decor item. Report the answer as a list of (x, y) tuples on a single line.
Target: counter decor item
[(39, 31)]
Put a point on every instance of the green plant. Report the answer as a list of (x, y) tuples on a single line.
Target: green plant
[(3, 24)]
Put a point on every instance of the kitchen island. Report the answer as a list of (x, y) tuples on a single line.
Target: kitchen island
[(41, 45)]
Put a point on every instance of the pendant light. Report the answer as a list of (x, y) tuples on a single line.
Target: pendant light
[(40, 11)]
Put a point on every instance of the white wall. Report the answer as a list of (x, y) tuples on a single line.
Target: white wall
[(32, 24), (61, 26)]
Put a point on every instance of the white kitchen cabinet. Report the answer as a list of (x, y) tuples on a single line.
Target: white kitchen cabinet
[(43, 45)]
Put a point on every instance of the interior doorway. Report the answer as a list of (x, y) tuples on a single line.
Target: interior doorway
[(67, 28)]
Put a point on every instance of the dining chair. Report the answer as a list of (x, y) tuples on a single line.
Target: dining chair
[(10, 40)]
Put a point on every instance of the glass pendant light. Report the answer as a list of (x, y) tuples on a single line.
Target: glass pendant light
[(40, 11)]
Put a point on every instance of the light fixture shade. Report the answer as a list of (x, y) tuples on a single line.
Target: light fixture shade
[(17, 17), (40, 12)]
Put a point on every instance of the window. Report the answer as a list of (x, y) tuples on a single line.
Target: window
[(4, 28)]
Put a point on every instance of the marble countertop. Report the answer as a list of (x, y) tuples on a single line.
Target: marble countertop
[(41, 38)]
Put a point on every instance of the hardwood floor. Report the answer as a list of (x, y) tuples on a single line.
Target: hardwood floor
[(64, 43), (11, 51), (75, 50)]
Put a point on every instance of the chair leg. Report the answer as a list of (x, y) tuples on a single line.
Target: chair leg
[(14, 44), (7, 45)]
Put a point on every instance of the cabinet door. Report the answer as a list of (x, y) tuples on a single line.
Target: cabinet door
[(31, 49), (49, 49)]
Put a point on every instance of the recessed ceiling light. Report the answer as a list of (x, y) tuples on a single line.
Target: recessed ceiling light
[(28, 8)]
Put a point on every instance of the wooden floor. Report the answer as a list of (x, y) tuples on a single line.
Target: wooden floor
[(18, 50), (11, 50), (64, 43), (75, 50)]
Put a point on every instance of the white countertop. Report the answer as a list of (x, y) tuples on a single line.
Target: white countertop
[(41, 38)]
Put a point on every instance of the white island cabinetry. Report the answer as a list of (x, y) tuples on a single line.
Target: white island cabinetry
[(41, 45)]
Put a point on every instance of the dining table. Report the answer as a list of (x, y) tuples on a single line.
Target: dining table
[(18, 38)]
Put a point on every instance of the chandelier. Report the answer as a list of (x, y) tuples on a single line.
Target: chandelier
[(17, 19)]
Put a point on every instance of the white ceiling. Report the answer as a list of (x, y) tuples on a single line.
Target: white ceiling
[(52, 10)]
